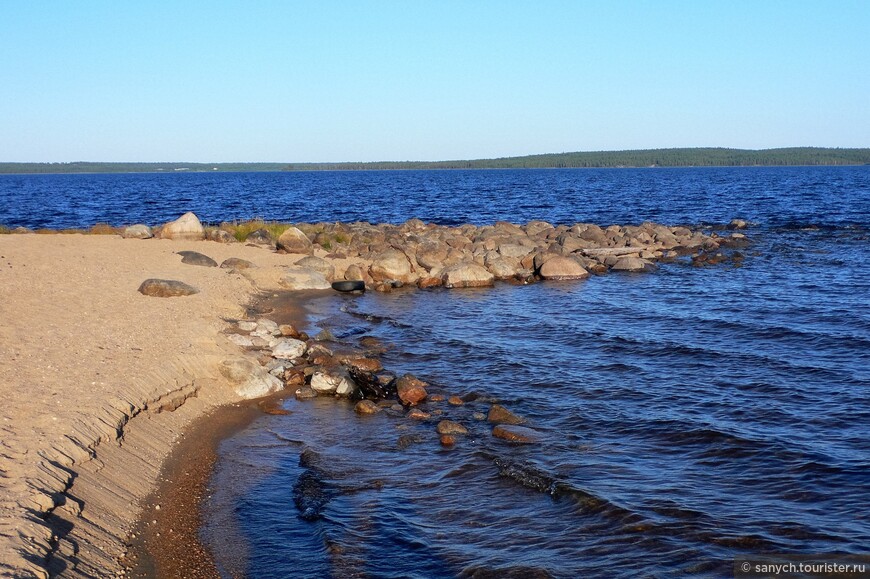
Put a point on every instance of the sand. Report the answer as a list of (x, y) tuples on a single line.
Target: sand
[(98, 382)]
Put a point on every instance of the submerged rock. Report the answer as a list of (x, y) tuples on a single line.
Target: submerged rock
[(514, 433), (366, 407), (410, 390), (450, 427), (501, 415)]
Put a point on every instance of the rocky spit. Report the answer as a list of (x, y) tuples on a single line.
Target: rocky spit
[(387, 257)]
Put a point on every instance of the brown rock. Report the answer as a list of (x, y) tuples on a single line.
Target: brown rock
[(428, 282), (318, 264), (391, 265), (450, 427), (294, 241), (364, 364), (501, 415), (632, 264), (366, 407), (562, 268), (514, 433), (466, 275), (455, 401), (166, 288), (417, 414), (436, 398), (447, 440), (289, 331), (410, 390), (293, 377)]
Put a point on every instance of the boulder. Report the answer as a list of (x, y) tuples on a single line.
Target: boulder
[(515, 433), (366, 407), (632, 264), (294, 241), (318, 264), (221, 236), (465, 275), (249, 379), (196, 258), (410, 390), (562, 268), (186, 227), (288, 349), (431, 254), (450, 427), (501, 415), (259, 237), (166, 288), (138, 231), (391, 265), (333, 383), (236, 263), (303, 278)]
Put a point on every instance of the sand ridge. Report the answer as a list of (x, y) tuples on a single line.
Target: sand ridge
[(89, 369)]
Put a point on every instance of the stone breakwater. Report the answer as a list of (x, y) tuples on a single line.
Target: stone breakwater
[(385, 256)]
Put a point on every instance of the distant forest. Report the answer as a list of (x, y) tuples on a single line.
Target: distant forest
[(694, 157)]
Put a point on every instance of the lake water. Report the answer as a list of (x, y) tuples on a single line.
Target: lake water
[(689, 416)]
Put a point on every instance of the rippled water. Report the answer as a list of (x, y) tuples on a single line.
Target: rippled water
[(688, 416)]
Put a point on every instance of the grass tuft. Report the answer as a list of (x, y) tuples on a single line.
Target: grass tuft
[(241, 229)]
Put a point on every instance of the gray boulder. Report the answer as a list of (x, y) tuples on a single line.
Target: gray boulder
[(138, 231), (166, 288)]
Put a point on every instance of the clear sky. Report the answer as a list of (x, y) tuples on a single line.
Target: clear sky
[(412, 80)]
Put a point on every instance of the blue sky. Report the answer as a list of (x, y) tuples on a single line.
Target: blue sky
[(412, 80)]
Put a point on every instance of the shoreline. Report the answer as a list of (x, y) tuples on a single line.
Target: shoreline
[(123, 376)]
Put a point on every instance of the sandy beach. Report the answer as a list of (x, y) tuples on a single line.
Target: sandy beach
[(97, 383)]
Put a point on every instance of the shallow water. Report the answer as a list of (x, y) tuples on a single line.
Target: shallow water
[(688, 416)]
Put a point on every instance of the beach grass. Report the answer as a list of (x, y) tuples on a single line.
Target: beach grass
[(241, 229)]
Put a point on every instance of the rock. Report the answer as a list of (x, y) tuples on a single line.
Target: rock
[(632, 264), (293, 377), (738, 224), (247, 325), (259, 237), (410, 390), (365, 364), (502, 268), (354, 273), (466, 275), (236, 263), (407, 440), (431, 254), (501, 415), (333, 383), (196, 258), (428, 282), (318, 264), (366, 407), (166, 288), (455, 401), (267, 327), (391, 265), (221, 236), (479, 416), (299, 278), (186, 227), (240, 341), (294, 241), (289, 331), (514, 433), (288, 349), (447, 440), (450, 427), (138, 231), (417, 414), (305, 393), (437, 398), (250, 380), (562, 268)]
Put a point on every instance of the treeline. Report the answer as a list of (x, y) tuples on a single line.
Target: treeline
[(695, 157), (89, 167)]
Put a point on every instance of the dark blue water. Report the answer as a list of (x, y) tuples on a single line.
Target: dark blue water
[(770, 195), (689, 416)]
